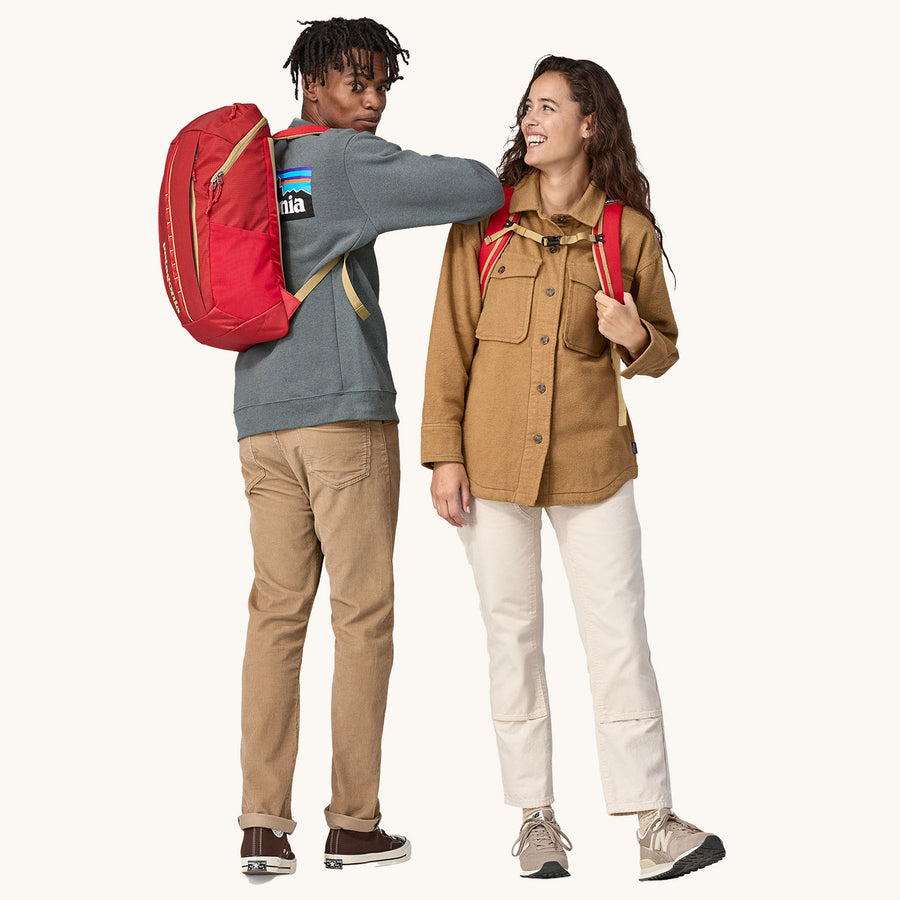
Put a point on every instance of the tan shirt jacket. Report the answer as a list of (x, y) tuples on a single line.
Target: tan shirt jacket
[(521, 389)]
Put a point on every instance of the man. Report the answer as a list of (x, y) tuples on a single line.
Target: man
[(317, 429)]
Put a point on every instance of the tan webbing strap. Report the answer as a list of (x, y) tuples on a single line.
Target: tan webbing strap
[(540, 238), (490, 238), (355, 302), (307, 288), (553, 239), (616, 364), (616, 360)]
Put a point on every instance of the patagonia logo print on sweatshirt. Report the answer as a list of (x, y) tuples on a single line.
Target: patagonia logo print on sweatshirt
[(295, 193)]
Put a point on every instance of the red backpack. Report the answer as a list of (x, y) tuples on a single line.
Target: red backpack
[(220, 242), (605, 238)]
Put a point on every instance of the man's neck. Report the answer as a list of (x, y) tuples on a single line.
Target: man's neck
[(309, 112)]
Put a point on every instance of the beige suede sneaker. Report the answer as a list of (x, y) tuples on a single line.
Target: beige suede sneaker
[(671, 847), (541, 846)]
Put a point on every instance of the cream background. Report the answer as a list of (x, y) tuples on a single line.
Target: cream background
[(767, 493)]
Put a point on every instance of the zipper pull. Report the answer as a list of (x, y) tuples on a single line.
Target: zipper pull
[(215, 190)]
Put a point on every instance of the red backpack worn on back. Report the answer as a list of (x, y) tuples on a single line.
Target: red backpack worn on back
[(220, 244)]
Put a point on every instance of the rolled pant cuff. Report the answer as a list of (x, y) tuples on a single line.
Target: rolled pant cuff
[(625, 809), (335, 820), (260, 820)]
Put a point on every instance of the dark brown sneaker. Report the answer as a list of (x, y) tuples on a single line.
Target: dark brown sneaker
[(356, 848), (266, 852)]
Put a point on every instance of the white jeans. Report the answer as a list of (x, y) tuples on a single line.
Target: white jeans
[(601, 550)]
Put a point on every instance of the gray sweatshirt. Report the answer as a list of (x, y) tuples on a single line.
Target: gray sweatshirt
[(339, 191)]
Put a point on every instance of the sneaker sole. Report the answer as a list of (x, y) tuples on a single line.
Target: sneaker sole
[(267, 865), (548, 870), (709, 852), (386, 858)]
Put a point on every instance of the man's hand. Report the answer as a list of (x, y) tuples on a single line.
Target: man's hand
[(621, 324), (450, 492)]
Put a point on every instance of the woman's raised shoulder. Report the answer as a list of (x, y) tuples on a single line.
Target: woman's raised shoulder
[(636, 224)]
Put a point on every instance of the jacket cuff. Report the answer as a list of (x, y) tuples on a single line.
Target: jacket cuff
[(659, 355), (441, 443)]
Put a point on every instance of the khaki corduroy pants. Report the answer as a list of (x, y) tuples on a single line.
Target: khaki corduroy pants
[(321, 493)]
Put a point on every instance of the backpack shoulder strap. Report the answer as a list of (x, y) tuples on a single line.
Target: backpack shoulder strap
[(316, 277), (607, 251), (608, 259), (495, 238), (299, 131)]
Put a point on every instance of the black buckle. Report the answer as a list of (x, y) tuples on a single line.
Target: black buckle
[(550, 240), (599, 239)]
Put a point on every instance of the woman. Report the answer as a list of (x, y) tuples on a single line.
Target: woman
[(523, 413)]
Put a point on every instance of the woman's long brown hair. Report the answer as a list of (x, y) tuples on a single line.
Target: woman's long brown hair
[(613, 158)]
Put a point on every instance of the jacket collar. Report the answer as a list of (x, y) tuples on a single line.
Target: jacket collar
[(527, 196)]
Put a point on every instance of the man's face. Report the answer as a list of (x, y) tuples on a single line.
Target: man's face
[(348, 99)]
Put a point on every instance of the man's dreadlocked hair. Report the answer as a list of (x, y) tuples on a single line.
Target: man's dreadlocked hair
[(329, 44)]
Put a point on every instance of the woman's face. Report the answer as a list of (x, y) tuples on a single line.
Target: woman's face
[(553, 125)]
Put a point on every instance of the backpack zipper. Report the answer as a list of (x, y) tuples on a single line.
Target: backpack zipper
[(194, 239), (215, 184)]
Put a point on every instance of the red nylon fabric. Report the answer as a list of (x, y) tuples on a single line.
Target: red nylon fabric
[(298, 131), (496, 222), (221, 258), (612, 229)]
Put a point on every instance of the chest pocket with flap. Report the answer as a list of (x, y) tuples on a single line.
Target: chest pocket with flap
[(580, 331), (506, 312)]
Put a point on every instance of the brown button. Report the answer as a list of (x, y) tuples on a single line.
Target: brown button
[(550, 292), (537, 438), (554, 249), (542, 388), (562, 219), (545, 339), (501, 270)]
